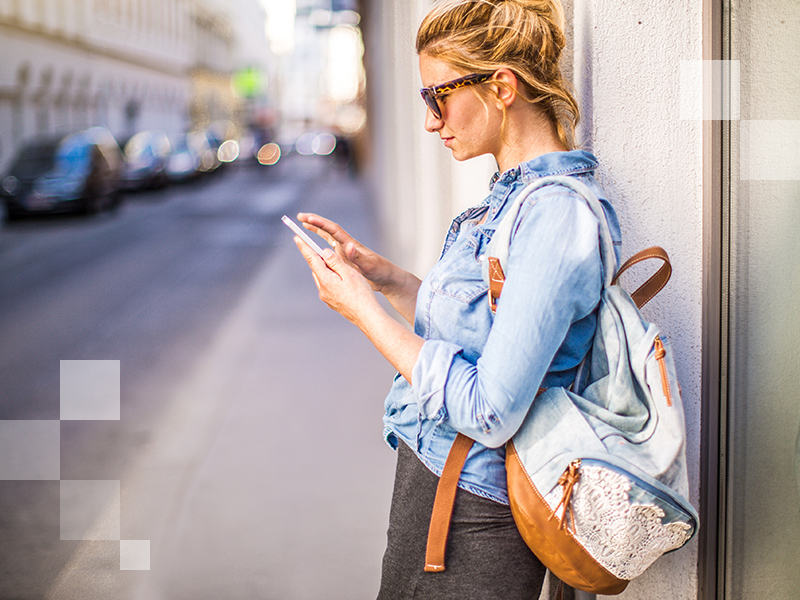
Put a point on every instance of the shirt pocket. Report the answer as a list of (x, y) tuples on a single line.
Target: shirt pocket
[(458, 273)]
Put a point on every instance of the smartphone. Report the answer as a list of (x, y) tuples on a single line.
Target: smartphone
[(301, 232)]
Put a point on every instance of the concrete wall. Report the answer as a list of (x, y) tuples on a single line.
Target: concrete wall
[(628, 65), (419, 187), (626, 68)]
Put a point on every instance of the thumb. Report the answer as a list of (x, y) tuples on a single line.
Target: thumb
[(352, 253), (332, 260)]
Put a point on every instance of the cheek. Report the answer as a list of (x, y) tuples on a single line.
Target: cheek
[(480, 129)]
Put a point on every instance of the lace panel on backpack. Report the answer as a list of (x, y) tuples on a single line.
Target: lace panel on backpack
[(624, 538)]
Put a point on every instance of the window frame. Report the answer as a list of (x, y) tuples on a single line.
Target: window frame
[(716, 261)]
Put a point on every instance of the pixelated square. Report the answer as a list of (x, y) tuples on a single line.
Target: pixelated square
[(90, 509), (710, 90), (134, 555), (90, 390), (30, 450)]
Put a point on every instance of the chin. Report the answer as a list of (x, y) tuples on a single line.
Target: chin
[(464, 156), (461, 156)]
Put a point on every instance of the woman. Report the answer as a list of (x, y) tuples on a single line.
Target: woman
[(492, 85)]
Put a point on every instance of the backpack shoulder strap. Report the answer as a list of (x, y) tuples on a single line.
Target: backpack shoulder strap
[(495, 265), (444, 502)]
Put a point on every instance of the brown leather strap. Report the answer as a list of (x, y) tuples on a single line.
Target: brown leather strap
[(445, 499), (645, 292), (443, 504), (496, 279), (560, 590)]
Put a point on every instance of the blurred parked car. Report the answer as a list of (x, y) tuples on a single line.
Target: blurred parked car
[(146, 155), (184, 160), (191, 155), (211, 161), (79, 172)]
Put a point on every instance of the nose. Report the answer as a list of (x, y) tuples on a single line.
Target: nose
[(432, 124)]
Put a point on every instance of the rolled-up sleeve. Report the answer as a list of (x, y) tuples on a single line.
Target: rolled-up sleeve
[(553, 280), (430, 375)]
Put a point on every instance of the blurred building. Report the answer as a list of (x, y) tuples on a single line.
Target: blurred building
[(321, 75), (126, 64), (255, 77), (233, 67)]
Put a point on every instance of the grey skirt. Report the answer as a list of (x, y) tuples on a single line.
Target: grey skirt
[(486, 558)]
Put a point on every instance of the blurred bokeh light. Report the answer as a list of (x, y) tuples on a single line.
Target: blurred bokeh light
[(228, 151), (269, 154)]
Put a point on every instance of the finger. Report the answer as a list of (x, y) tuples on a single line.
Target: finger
[(320, 232), (339, 267), (315, 223), (325, 228), (309, 221)]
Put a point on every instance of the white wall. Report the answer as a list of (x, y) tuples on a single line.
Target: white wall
[(627, 60), (651, 166), (420, 188)]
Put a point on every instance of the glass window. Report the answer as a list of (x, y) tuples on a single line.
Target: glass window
[(762, 535)]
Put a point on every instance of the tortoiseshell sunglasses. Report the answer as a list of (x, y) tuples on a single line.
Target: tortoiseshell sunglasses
[(430, 94)]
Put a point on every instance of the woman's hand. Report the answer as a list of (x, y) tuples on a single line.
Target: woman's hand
[(341, 286), (399, 286), (377, 270), (344, 289)]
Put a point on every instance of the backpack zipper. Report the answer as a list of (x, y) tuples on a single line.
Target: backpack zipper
[(567, 481), (661, 354)]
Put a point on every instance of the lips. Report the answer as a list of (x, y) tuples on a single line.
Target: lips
[(447, 141)]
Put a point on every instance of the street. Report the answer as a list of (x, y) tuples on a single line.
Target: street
[(248, 449)]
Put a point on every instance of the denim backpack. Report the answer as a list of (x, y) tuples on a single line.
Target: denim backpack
[(597, 477)]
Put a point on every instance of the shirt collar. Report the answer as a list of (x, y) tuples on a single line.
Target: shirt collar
[(553, 163)]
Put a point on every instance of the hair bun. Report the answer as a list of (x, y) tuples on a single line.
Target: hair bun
[(552, 10)]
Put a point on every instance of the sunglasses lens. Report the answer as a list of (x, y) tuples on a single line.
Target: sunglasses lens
[(432, 104)]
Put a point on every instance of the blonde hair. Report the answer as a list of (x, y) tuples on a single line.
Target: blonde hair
[(525, 36)]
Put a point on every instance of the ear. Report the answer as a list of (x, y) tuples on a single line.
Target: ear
[(505, 87)]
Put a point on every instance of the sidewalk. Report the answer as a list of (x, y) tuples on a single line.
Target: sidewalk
[(268, 476)]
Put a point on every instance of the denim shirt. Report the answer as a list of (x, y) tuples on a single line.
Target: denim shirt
[(478, 373)]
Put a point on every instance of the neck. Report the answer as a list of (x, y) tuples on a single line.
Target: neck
[(528, 134)]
